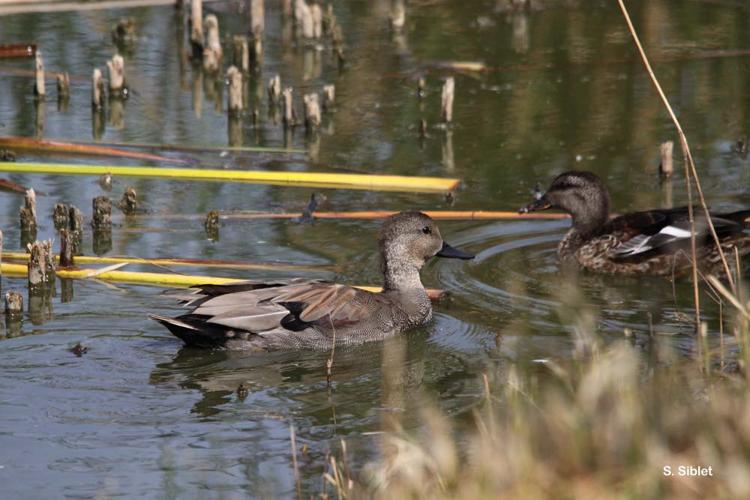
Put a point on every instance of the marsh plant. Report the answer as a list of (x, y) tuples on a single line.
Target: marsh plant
[(628, 419)]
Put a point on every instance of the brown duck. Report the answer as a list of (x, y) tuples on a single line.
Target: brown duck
[(305, 313), (653, 242)]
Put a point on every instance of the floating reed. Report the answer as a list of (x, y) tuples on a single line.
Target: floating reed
[(298, 179), (12, 186), (29, 6), (42, 145), (212, 263), (198, 149), (382, 214), (155, 279), (16, 50)]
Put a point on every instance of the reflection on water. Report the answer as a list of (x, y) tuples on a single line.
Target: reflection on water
[(139, 414)]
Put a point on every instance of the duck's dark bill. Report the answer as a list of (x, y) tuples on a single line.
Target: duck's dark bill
[(453, 253), (540, 204)]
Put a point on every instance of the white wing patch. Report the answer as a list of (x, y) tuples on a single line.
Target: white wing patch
[(675, 231), (642, 243)]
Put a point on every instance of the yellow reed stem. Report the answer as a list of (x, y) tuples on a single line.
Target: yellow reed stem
[(156, 279), (299, 179), (86, 259)]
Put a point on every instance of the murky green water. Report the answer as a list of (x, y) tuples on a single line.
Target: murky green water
[(139, 415)]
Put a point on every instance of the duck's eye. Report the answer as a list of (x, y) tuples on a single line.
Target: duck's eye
[(427, 230)]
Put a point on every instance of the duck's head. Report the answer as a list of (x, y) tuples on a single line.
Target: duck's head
[(582, 194), (412, 238)]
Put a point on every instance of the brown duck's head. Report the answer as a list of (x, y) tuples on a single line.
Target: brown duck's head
[(581, 194), (413, 238)]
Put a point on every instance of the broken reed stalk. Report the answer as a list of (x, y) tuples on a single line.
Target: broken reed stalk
[(49, 260), (105, 181), (666, 166), (329, 97), (63, 86), (234, 97), (446, 100), (39, 89), (290, 118), (241, 53), (312, 111), (66, 248), (690, 171), (129, 202), (37, 265), (257, 18), (317, 21), (160, 279), (27, 214), (75, 225), (13, 305), (60, 214), (303, 18), (116, 71), (124, 33), (274, 90), (102, 217), (211, 225), (212, 52), (97, 90), (256, 54), (196, 27), (298, 179), (397, 16)]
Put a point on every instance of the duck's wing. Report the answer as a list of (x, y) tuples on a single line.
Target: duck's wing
[(645, 234), (223, 312)]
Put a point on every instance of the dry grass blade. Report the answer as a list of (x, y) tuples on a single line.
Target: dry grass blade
[(689, 172), (724, 292)]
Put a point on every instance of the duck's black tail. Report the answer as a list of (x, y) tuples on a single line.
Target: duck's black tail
[(192, 334)]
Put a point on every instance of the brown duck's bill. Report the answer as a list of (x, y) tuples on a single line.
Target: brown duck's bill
[(449, 252), (536, 205)]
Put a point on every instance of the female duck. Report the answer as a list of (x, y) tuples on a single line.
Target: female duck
[(652, 242), (303, 313)]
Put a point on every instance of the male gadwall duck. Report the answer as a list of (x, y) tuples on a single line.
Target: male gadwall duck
[(306, 313), (655, 242)]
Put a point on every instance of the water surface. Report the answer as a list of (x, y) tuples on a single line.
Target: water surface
[(138, 414)]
